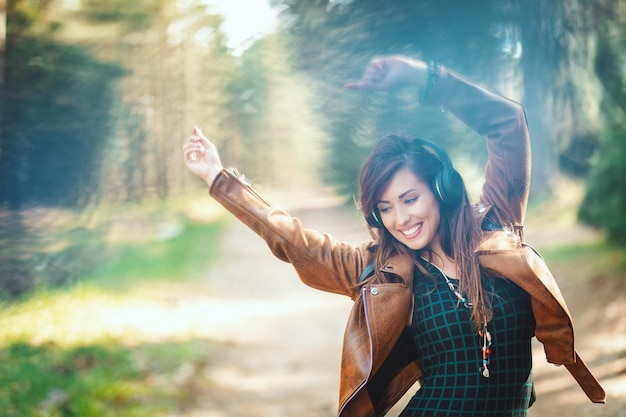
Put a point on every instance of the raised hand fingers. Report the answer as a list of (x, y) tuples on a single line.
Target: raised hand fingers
[(195, 145), (373, 77), (198, 136), (376, 70), (193, 149)]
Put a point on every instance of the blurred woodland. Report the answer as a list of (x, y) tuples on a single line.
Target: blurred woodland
[(112, 290), (96, 98)]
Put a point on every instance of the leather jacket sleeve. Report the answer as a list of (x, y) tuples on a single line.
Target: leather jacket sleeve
[(503, 122), (320, 261)]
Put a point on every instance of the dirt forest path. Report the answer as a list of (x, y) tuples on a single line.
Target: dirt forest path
[(279, 342)]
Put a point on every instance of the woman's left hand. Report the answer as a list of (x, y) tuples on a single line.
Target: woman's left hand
[(201, 157), (388, 72)]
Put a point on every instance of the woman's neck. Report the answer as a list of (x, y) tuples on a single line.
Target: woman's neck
[(446, 264)]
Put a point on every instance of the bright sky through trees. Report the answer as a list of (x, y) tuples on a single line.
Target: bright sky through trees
[(245, 19)]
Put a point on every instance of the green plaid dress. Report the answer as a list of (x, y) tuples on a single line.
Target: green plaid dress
[(451, 355)]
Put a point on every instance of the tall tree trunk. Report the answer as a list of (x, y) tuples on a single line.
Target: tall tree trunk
[(3, 43)]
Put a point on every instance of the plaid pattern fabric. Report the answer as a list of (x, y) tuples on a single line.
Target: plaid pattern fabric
[(450, 351)]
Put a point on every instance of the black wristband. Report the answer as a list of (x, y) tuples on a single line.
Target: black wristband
[(434, 69)]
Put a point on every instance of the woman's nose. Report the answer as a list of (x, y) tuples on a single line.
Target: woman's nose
[(402, 215)]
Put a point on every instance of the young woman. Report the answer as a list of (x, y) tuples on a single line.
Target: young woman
[(446, 294)]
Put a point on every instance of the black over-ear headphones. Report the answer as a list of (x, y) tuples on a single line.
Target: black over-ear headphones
[(374, 219), (447, 185)]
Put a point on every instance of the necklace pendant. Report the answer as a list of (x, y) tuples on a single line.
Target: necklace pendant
[(486, 350), (484, 332)]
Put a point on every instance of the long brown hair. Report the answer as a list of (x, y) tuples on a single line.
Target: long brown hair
[(458, 230)]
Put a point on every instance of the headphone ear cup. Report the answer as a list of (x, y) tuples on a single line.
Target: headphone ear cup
[(448, 186), (374, 220)]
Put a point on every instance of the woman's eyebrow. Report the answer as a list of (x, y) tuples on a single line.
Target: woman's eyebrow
[(401, 196)]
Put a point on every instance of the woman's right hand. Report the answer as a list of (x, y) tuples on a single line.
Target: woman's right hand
[(201, 156), (388, 72)]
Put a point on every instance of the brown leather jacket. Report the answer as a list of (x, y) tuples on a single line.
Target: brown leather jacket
[(373, 343)]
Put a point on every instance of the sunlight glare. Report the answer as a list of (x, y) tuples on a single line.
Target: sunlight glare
[(244, 19)]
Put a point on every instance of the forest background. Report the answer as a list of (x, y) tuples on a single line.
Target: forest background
[(96, 98)]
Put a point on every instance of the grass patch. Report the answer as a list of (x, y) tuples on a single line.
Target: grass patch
[(587, 259), (93, 350), (101, 380), (174, 258), (54, 248), (112, 340)]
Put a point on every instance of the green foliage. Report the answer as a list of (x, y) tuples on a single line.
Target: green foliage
[(98, 380), (274, 129), (152, 259), (23, 14), (36, 253), (134, 14), (64, 142), (60, 355), (537, 51), (112, 245), (56, 121), (50, 257), (588, 259), (248, 91), (334, 41), (604, 203)]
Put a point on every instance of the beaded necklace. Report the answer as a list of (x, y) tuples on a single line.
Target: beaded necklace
[(484, 333)]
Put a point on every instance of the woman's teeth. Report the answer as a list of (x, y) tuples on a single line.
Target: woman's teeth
[(411, 231)]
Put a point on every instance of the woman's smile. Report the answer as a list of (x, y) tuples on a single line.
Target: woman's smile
[(412, 231)]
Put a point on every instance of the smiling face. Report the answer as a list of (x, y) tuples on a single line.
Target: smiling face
[(410, 211)]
